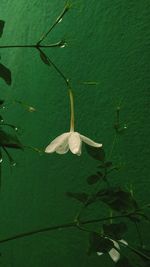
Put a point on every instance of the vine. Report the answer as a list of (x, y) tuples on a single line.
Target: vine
[(106, 238)]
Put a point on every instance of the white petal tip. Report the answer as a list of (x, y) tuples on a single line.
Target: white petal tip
[(124, 242), (99, 145), (100, 253), (48, 150)]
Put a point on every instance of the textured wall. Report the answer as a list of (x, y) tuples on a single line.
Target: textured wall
[(108, 42)]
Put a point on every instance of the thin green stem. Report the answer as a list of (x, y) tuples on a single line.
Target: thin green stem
[(56, 68), (9, 125), (71, 225), (61, 226), (139, 234), (138, 252), (113, 145), (66, 8), (58, 44), (8, 155), (72, 120)]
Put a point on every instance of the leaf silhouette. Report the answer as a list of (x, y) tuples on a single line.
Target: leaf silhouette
[(2, 23), (118, 199), (44, 58), (115, 230), (98, 243), (96, 153), (9, 140), (5, 74), (93, 179)]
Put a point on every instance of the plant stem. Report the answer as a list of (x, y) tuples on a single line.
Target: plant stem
[(113, 145), (138, 252), (73, 225), (72, 110), (32, 46), (8, 155), (139, 234), (57, 227), (55, 67), (66, 8)]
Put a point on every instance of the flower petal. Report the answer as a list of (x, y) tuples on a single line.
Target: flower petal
[(89, 141), (115, 244), (99, 253), (58, 141), (63, 149), (124, 242), (75, 143), (114, 254)]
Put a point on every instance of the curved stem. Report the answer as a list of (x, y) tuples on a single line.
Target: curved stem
[(68, 86), (72, 110)]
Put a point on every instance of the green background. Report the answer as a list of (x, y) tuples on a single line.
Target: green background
[(108, 42)]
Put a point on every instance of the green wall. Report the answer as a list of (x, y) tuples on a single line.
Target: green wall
[(108, 42)]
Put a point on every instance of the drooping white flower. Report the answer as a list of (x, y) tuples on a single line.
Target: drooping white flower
[(70, 140), (114, 254)]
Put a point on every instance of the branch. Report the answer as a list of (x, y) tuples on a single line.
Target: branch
[(58, 44), (55, 67), (66, 8), (61, 226)]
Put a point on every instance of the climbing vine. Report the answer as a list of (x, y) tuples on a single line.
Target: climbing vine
[(106, 235)]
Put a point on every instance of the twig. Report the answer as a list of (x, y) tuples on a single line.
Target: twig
[(32, 45), (56, 68), (57, 227), (66, 8), (139, 234)]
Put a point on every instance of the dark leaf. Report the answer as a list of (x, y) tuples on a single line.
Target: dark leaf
[(115, 230), (124, 262), (44, 58), (108, 164), (1, 119), (82, 197), (2, 23), (100, 174), (1, 102), (97, 243), (118, 200), (96, 153), (9, 140), (5, 74), (93, 179)]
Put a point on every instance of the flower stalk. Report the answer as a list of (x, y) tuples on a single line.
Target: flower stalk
[(72, 120)]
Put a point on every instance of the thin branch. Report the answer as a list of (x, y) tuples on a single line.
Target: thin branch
[(56, 68), (61, 226), (138, 252), (71, 225), (22, 235), (66, 8), (58, 44), (139, 234)]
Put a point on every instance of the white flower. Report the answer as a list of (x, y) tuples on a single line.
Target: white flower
[(70, 140), (114, 254)]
